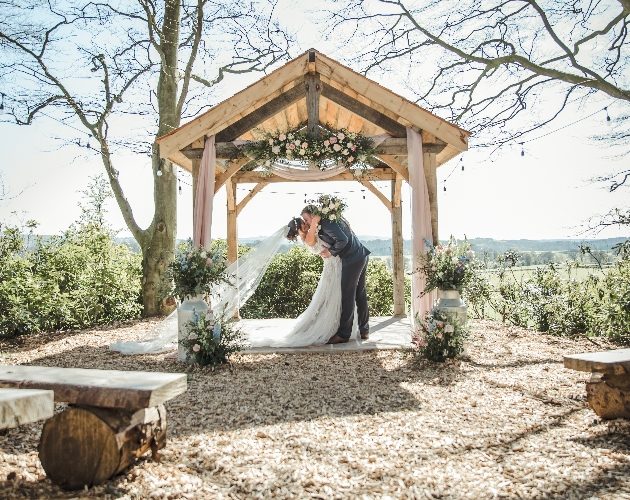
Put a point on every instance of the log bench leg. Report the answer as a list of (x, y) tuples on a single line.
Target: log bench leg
[(609, 395), (86, 445)]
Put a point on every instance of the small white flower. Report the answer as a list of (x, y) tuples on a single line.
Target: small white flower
[(449, 328), (337, 147), (341, 136), (282, 137), (290, 136), (333, 216), (345, 152), (304, 145), (196, 348), (203, 254), (302, 152), (275, 150), (271, 141), (297, 142), (326, 143), (325, 210)]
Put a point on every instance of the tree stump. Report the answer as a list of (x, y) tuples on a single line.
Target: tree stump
[(87, 445), (609, 395)]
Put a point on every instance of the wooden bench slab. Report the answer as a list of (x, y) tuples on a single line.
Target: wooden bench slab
[(23, 406), (103, 388), (616, 362)]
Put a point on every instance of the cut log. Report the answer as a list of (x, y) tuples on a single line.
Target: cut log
[(85, 446), (23, 406), (609, 395)]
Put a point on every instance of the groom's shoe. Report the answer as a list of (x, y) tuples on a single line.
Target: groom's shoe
[(365, 335), (336, 339)]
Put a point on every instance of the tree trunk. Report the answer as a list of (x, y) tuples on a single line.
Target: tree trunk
[(159, 246)]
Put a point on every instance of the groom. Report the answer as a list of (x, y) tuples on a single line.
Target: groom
[(342, 242)]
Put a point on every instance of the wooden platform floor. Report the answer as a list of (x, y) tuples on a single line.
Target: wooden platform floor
[(386, 332)]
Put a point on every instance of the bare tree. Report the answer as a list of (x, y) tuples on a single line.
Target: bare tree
[(126, 73), (494, 59)]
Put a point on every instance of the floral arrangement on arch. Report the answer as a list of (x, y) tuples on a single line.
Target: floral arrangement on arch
[(442, 336), (328, 207), (211, 341), (194, 271), (447, 267), (330, 149)]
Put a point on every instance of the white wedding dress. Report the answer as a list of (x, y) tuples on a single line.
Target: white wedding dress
[(316, 324)]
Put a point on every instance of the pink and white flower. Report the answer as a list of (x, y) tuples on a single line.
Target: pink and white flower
[(304, 145), (341, 136), (332, 139)]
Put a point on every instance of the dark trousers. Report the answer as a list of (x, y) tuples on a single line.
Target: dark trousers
[(353, 292)]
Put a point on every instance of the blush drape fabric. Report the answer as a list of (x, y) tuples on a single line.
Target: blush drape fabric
[(204, 195), (420, 224)]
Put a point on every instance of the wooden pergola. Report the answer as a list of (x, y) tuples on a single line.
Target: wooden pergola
[(314, 91)]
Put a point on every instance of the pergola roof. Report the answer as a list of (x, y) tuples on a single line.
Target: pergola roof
[(313, 88)]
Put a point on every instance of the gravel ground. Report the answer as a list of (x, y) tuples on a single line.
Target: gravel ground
[(508, 422)]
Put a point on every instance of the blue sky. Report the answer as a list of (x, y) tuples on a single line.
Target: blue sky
[(548, 193)]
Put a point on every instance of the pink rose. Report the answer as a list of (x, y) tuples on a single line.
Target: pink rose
[(304, 145), (332, 140), (292, 146)]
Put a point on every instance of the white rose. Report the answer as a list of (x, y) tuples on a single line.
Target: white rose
[(337, 147), (345, 152), (326, 143), (297, 142), (349, 145), (333, 216), (290, 136), (196, 348), (203, 254), (282, 137), (275, 150), (341, 136), (304, 145), (271, 141), (302, 152)]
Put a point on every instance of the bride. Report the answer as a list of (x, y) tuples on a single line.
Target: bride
[(320, 320), (314, 326)]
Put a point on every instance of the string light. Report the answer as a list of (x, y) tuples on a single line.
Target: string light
[(461, 159), (2, 103), (522, 148), (607, 115)]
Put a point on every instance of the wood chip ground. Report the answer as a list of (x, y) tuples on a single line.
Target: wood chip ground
[(509, 422)]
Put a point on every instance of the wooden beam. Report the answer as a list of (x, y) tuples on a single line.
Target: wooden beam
[(371, 187), (254, 177), (364, 111), (313, 91), (393, 146), (233, 167), (263, 113), (257, 188), (431, 179), (395, 165), (398, 262)]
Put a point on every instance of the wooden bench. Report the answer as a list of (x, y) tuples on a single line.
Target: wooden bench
[(24, 406), (113, 418), (608, 391)]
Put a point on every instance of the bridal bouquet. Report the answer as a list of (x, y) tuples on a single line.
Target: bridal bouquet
[(195, 270), (328, 207), (447, 267)]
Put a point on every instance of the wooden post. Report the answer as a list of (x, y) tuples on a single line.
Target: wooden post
[(232, 248), (398, 263), (431, 177), (313, 90), (196, 163)]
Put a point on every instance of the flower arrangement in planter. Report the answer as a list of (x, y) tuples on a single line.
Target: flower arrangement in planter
[(442, 336), (211, 341), (331, 149), (447, 267), (328, 207), (195, 270)]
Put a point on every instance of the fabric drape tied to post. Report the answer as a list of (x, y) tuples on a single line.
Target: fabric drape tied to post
[(420, 225), (204, 195)]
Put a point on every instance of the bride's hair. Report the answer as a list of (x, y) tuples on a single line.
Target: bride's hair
[(294, 225)]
